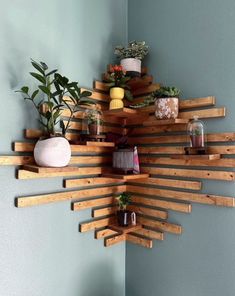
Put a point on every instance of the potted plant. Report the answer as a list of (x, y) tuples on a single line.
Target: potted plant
[(117, 83), (131, 56), (196, 133), (54, 93), (94, 122), (166, 102), (122, 214)]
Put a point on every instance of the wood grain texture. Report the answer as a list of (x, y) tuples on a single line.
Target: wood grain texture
[(160, 225), (110, 241), (38, 169), (90, 182), (87, 226), (81, 205), (16, 160), (144, 242), (104, 233), (90, 160), (208, 199), (150, 234), (67, 195)]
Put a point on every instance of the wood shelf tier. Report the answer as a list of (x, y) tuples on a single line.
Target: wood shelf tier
[(197, 156), (39, 170), (166, 122), (121, 112), (127, 177), (125, 230)]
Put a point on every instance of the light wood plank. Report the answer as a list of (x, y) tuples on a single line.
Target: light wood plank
[(126, 229), (104, 211), (104, 233), (100, 144), (67, 195), (127, 177), (157, 122), (148, 211), (199, 157), (81, 205), (23, 174), (15, 160), (169, 205), (157, 129), (110, 241), (87, 226), (208, 199), (90, 160), (38, 169), (194, 185), (150, 234), (160, 225), (144, 242), (90, 182)]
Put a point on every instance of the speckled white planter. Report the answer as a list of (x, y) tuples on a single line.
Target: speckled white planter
[(167, 108), (131, 65), (52, 152)]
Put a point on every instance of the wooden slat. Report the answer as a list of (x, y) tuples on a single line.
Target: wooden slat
[(148, 211), (157, 129), (150, 233), (84, 227), (223, 162), (199, 157), (122, 112), (38, 169), (90, 182), (88, 160), (110, 241), (100, 144), (187, 173), (23, 147), (104, 211), (208, 199), (16, 160), (97, 95), (211, 138), (169, 205), (194, 185), (127, 177), (23, 174), (126, 229), (104, 233), (165, 122), (67, 195), (144, 242), (144, 70), (81, 205), (162, 226), (145, 90)]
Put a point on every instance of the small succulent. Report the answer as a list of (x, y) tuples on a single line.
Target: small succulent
[(135, 49), (124, 200)]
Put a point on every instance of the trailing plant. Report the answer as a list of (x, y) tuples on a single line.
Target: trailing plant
[(162, 92), (117, 78), (54, 94), (135, 49), (124, 200)]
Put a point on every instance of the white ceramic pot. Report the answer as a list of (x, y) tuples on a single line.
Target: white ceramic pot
[(167, 108), (52, 152), (131, 66)]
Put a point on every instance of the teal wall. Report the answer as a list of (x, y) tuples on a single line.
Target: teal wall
[(41, 251), (192, 46)]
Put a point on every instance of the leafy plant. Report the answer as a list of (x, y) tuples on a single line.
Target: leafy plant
[(54, 94), (118, 78), (124, 200), (93, 117), (135, 49), (162, 92)]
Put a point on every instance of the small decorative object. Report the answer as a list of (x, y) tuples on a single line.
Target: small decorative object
[(166, 102), (117, 82), (54, 94), (131, 56), (133, 218), (196, 133), (92, 121), (122, 214), (125, 160)]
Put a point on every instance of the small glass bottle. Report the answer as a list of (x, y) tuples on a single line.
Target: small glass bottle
[(92, 121), (196, 133)]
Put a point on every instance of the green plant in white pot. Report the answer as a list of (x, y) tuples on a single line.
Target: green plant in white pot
[(131, 56), (54, 94)]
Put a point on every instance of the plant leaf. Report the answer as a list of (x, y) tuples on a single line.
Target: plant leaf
[(35, 93), (38, 77), (45, 89), (52, 72), (86, 94), (37, 67)]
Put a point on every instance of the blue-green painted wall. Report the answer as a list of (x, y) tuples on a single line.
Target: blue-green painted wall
[(192, 46), (41, 251)]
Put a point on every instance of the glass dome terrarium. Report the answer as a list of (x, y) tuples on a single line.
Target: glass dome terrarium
[(92, 122), (196, 133)]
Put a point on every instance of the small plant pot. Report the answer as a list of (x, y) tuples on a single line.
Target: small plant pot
[(132, 67), (93, 129), (167, 108), (122, 218), (197, 141), (52, 152), (116, 95)]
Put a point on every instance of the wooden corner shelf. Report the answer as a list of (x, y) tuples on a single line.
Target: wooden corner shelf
[(125, 230), (126, 177), (38, 169), (197, 156), (122, 112), (165, 122)]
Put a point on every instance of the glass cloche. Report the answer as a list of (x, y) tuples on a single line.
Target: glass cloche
[(92, 121), (196, 133)]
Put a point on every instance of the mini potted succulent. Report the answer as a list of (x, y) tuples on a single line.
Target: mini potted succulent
[(131, 56), (196, 133), (122, 214), (54, 93), (166, 102), (117, 83)]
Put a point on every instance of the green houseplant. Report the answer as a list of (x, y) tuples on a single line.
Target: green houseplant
[(53, 94), (124, 200), (131, 56), (119, 89)]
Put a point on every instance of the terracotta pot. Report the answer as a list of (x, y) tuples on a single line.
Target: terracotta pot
[(132, 67), (167, 108), (122, 217), (116, 95), (197, 141), (52, 152)]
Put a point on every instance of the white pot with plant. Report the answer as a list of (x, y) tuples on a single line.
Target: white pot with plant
[(166, 102), (131, 56), (54, 94)]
